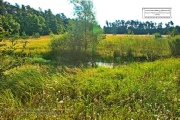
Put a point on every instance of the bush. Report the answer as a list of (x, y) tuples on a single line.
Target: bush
[(51, 34), (63, 52), (175, 47), (24, 36), (157, 35), (58, 46), (36, 35), (173, 33), (15, 36)]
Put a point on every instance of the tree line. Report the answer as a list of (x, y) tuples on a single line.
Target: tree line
[(80, 35), (16, 20), (24, 20), (138, 27)]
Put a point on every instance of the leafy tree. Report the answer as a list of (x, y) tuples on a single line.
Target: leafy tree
[(84, 34), (2, 7), (167, 25), (60, 26), (123, 22), (140, 26), (107, 23), (50, 22), (174, 32), (114, 28), (1, 30), (79, 44), (171, 23), (9, 25), (175, 46), (35, 24)]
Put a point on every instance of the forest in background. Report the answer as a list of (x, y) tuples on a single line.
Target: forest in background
[(25, 20), (16, 20), (139, 27)]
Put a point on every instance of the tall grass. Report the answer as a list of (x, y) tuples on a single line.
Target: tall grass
[(136, 91), (41, 89), (132, 47), (35, 46), (113, 48)]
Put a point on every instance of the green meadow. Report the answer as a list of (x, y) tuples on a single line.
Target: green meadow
[(144, 82)]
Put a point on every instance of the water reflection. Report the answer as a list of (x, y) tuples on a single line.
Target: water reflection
[(103, 64)]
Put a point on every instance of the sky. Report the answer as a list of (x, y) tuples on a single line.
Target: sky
[(110, 10)]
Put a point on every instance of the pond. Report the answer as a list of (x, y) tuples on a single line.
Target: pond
[(103, 64)]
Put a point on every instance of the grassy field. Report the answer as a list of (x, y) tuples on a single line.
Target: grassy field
[(136, 90), (34, 46), (134, 46), (114, 46)]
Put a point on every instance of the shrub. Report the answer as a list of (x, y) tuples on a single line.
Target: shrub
[(36, 35), (62, 51), (173, 33), (15, 36), (157, 35), (24, 36), (175, 47), (51, 34)]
